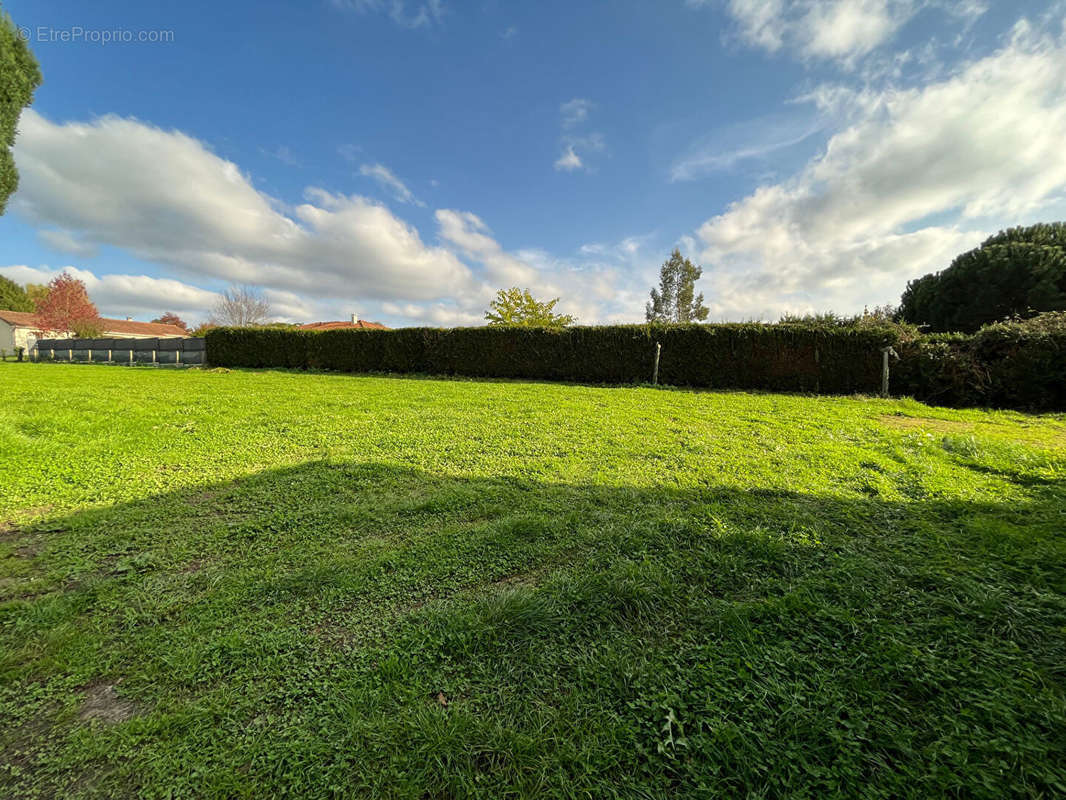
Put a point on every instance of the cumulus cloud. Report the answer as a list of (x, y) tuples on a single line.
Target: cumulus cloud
[(120, 296), (387, 179), (912, 178), (597, 286), (164, 197)]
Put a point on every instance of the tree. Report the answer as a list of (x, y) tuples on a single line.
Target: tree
[(676, 300), (13, 297), (517, 307), (170, 318), (67, 308), (1016, 273), (241, 307), (36, 292), (19, 77)]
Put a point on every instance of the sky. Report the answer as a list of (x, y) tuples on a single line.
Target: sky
[(404, 159)]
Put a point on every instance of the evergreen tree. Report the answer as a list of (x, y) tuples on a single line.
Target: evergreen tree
[(1017, 272)]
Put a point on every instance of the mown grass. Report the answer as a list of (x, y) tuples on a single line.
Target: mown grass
[(258, 584)]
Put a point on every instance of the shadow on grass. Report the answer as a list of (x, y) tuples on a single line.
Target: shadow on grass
[(366, 629)]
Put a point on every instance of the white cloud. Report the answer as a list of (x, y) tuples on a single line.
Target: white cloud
[(600, 286), (387, 178), (752, 142), (66, 242), (120, 296), (569, 160), (574, 112), (283, 154), (913, 177), (164, 197), (843, 30), (406, 15)]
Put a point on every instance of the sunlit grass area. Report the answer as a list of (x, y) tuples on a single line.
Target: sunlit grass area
[(259, 584)]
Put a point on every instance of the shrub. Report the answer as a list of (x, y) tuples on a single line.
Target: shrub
[(1017, 364), (783, 357)]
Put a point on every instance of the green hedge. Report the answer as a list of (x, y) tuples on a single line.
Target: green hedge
[(1008, 365), (782, 357)]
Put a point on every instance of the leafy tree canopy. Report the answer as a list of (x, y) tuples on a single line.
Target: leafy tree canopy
[(67, 308), (1016, 273), (170, 318), (676, 300), (518, 307), (13, 297), (19, 77)]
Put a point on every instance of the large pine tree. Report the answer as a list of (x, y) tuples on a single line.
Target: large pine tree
[(676, 300)]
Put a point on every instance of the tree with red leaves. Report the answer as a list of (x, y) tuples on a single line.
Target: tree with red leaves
[(170, 318), (67, 308)]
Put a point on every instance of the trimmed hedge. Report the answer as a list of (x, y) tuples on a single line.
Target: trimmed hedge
[(782, 357), (1009, 365)]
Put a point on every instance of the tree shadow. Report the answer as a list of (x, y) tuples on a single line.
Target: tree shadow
[(368, 629)]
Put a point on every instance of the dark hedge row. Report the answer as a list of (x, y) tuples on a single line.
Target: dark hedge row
[(1009, 365), (783, 357)]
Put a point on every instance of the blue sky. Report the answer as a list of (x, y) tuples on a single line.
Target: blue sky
[(403, 160)]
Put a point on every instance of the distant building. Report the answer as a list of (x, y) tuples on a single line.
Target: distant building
[(340, 324), (17, 329)]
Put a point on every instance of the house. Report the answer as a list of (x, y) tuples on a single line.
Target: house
[(354, 323), (17, 329)]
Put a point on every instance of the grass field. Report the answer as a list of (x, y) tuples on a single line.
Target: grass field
[(260, 584)]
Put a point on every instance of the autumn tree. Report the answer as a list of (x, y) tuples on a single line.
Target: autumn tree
[(518, 307), (241, 307), (19, 77), (676, 300), (13, 297), (67, 309), (170, 318)]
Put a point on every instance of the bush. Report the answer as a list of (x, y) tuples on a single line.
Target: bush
[(836, 359), (1018, 364)]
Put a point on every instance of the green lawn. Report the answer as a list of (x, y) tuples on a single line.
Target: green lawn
[(260, 584)]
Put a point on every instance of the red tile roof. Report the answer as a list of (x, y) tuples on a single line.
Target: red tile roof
[(332, 326), (24, 319)]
